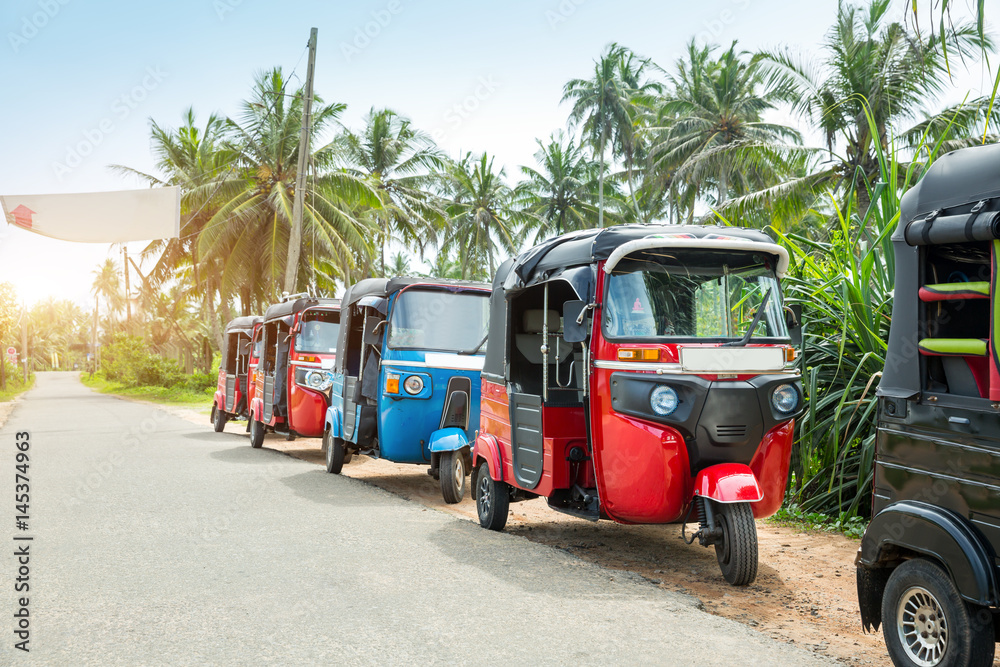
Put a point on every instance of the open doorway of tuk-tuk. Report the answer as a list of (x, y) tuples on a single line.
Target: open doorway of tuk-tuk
[(543, 370), (363, 355), (274, 366)]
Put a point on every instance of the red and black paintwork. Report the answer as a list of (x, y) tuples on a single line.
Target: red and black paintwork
[(603, 452), (234, 370), (279, 403)]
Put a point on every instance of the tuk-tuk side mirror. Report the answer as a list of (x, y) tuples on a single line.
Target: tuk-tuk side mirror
[(244, 348), (296, 328), (371, 335), (574, 332), (793, 320)]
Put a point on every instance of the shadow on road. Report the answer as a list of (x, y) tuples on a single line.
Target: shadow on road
[(320, 487), (245, 454)]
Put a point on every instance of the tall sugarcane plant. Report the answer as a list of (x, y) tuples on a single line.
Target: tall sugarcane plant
[(845, 286)]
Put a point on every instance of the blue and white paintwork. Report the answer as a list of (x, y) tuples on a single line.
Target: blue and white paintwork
[(408, 425)]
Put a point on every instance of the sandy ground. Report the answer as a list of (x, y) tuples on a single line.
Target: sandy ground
[(804, 594)]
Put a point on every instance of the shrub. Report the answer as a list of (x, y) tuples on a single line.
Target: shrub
[(129, 361)]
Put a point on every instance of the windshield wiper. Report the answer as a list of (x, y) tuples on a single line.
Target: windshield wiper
[(476, 348), (753, 325)]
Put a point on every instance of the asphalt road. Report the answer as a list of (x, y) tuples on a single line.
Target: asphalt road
[(157, 541)]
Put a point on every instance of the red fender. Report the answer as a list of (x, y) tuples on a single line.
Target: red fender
[(487, 448), (728, 483)]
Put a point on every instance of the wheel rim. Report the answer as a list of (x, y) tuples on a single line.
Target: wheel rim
[(458, 471), (723, 548), (484, 493), (922, 627)]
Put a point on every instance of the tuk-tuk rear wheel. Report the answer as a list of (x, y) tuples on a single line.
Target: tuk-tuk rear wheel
[(736, 551), (492, 499), (218, 419), (451, 474), (334, 453), (256, 433)]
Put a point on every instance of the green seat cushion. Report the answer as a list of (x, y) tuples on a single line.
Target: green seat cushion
[(953, 347)]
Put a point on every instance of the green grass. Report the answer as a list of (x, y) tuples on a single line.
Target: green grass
[(171, 395), (15, 389), (793, 516)]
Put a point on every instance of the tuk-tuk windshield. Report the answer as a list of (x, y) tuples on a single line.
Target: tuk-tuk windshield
[(439, 320), (705, 295), (320, 329)]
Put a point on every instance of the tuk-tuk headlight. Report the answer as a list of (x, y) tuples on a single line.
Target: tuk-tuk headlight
[(319, 380), (413, 385), (784, 398), (664, 400)]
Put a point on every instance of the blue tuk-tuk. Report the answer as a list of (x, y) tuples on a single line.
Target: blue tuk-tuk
[(406, 380)]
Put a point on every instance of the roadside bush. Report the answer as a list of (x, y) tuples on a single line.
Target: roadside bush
[(129, 361)]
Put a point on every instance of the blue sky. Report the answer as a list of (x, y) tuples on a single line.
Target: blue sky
[(85, 77)]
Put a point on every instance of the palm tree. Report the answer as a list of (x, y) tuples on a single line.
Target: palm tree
[(561, 194), (250, 228), (193, 158), (604, 108), (444, 266), (714, 107), (481, 214), (107, 285), (397, 160), (874, 78), (399, 266)]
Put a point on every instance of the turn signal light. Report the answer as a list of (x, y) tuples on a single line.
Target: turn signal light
[(307, 357), (789, 354), (638, 354), (392, 384)]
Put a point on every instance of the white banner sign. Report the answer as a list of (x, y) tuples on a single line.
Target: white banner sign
[(98, 217)]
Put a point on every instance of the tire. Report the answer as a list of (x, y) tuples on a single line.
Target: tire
[(492, 500), (218, 420), (256, 433), (451, 474), (737, 550), (334, 453), (921, 599)]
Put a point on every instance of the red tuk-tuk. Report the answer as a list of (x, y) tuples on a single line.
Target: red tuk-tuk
[(644, 374), (231, 400), (298, 345)]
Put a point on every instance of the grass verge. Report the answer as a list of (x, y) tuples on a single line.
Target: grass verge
[(793, 516), (171, 395), (13, 391)]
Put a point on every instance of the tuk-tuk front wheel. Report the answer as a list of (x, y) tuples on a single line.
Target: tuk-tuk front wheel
[(218, 419), (926, 622), (334, 453), (492, 499), (256, 433), (451, 474), (736, 550)]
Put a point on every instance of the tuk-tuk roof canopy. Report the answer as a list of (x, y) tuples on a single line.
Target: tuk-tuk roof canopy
[(243, 325), (591, 245), (956, 178), (293, 306), (383, 287)]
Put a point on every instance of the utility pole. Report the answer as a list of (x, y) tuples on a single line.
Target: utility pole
[(24, 338), (295, 238), (96, 307), (128, 295)]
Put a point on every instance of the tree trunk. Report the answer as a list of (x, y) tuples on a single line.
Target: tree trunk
[(723, 185)]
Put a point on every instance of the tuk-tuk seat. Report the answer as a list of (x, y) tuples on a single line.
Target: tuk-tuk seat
[(530, 342), (955, 291), (966, 368)]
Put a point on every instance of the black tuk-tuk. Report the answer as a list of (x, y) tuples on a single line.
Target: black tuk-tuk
[(927, 567)]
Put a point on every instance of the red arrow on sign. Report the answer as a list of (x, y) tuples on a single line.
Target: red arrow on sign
[(22, 216)]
